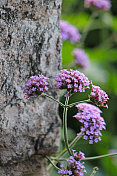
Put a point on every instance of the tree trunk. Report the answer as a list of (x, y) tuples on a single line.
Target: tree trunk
[(30, 44)]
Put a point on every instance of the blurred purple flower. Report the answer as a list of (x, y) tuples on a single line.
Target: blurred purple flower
[(69, 32), (98, 96), (92, 122), (72, 80), (35, 86), (74, 165), (98, 4), (81, 58)]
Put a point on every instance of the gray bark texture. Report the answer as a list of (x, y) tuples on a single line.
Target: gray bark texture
[(30, 44)]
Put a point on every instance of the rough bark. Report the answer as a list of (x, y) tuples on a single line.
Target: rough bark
[(30, 44)]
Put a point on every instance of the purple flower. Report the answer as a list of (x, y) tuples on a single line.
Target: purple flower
[(35, 86), (81, 58), (92, 122), (98, 4), (74, 165), (98, 96), (69, 32), (72, 80)]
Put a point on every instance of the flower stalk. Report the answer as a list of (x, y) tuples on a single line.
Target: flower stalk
[(46, 95), (98, 157), (76, 103), (65, 125), (52, 163)]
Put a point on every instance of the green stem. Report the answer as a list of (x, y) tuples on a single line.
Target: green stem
[(58, 159), (65, 125), (52, 163), (73, 104), (95, 169), (87, 28), (53, 99), (87, 158), (65, 150), (84, 159), (70, 145), (97, 157)]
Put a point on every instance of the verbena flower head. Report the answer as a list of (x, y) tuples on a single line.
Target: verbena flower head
[(98, 4), (81, 58), (69, 32), (98, 96), (74, 165), (72, 80), (35, 86), (92, 122)]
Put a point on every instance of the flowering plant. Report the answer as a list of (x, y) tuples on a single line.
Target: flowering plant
[(88, 115)]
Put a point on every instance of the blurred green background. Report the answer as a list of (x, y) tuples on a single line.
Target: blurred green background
[(101, 46)]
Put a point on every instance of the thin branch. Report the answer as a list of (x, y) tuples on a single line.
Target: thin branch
[(58, 159), (65, 126), (73, 104), (53, 99), (85, 159), (52, 163), (98, 157)]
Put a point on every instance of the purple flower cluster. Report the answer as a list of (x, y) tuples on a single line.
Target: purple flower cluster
[(74, 165), (98, 96), (92, 122), (98, 4), (81, 58), (69, 32), (72, 80), (35, 86)]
